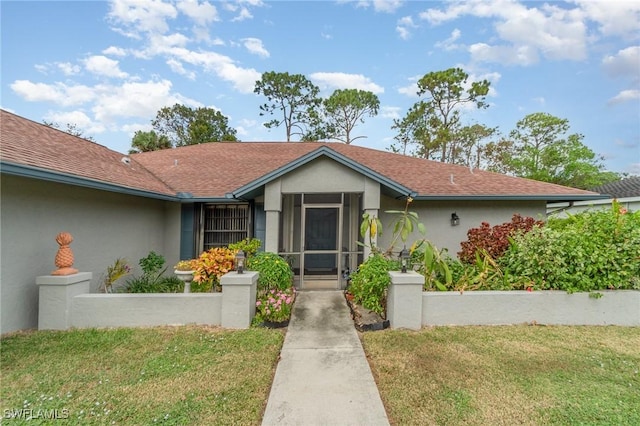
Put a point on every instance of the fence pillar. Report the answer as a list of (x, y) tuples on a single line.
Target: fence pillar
[(404, 300), (55, 294), (238, 299)]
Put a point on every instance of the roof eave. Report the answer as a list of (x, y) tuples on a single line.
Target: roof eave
[(508, 197), (252, 187), (69, 179)]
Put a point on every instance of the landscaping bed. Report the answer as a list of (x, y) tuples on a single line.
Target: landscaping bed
[(365, 319)]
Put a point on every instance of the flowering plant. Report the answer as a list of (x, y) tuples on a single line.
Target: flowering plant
[(185, 265), (275, 305), (210, 266), (119, 269)]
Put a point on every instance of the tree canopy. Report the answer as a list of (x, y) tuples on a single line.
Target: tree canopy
[(183, 125), (292, 100), (541, 150), (433, 123), (70, 128), (148, 141), (344, 109)]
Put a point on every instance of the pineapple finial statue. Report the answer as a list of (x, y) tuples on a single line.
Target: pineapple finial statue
[(64, 257)]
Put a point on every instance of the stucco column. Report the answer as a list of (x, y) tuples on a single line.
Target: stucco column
[(238, 299), (272, 232), (404, 300), (55, 294)]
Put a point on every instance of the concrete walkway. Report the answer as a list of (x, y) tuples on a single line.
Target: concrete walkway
[(323, 377)]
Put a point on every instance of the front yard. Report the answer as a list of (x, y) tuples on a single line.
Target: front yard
[(508, 375), (442, 375), (166, 375)]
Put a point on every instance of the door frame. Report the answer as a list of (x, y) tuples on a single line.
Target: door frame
[(337, 252)]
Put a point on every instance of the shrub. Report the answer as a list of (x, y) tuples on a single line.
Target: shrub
[(209, 267), (370, 282), (275, 272), (249, 246), (152, 279), (589, 251), (275, 305), (494, 240)]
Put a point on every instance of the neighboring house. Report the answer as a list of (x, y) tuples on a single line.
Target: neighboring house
[(625, 191), (303, 200)]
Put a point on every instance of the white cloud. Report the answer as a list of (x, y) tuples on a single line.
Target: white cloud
[(103, 66), (254, 45), (625, 62), (68, 68), (58, 93), (177, 67), (114, 51), (404, 26), (385, 6), (243, 15), (625, 96), (390, 112), (526, 33), (449, 43), (202, 13), (78, 118), (615, 18), (141, 16), (411, 89), (339, 80)]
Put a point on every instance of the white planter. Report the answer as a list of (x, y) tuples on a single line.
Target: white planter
[(186, 277)]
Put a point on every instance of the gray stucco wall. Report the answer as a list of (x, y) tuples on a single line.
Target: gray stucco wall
[(436, 216), (104, 225)]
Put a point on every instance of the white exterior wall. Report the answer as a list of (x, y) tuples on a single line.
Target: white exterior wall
[(104, 226), (436, 216)]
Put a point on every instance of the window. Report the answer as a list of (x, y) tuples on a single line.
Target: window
[(223, 224)]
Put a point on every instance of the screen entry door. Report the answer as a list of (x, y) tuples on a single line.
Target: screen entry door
[(321, 246)]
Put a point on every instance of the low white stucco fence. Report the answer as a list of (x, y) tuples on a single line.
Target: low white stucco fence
[(65, 302), (409, 307)]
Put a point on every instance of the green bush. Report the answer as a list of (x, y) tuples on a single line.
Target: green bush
[(593, 250), (369, 283), (152, 279), (274, 271)]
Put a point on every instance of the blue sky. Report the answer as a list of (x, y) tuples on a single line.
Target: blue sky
[(108, 67)]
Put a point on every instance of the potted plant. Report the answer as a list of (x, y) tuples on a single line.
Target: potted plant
[(184, 271)]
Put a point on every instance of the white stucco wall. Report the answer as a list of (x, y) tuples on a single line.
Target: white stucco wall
[(104, 225), (436, 216)]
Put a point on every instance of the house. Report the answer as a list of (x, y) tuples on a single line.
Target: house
[(625, 191), (302, 200)]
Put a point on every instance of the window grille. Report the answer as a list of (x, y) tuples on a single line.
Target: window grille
[(224, 224)]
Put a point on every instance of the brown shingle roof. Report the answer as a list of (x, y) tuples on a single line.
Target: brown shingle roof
[(27, 143), (214, 169)]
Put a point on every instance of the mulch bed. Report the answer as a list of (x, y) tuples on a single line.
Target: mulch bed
[(364, 319)]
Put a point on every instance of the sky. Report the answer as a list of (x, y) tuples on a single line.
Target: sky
[(108, 67)]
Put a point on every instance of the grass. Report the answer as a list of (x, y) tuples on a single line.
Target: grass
[(508, 375), (166, 375)]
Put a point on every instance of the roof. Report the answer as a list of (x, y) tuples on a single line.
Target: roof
[(625, 188), (214, 170), (32, 149)]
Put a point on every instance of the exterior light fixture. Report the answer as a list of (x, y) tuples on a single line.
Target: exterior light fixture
[(240, 262), (404, 259), (455, 219)]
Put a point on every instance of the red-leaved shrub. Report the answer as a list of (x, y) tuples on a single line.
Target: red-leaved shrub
[(495, 240)]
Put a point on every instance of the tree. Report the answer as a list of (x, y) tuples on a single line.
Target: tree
[(467, 148), (71, 128), (295, 98), (148, 141), (346, 108), (438, 116), (187, 126), (541, 152)]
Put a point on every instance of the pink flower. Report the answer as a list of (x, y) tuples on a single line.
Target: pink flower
[(258, 303)]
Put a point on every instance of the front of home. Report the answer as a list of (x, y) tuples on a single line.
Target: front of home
[(304, 201)]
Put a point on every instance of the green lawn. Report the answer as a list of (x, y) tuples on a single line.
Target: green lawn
[(167, 375), (508, 375)]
